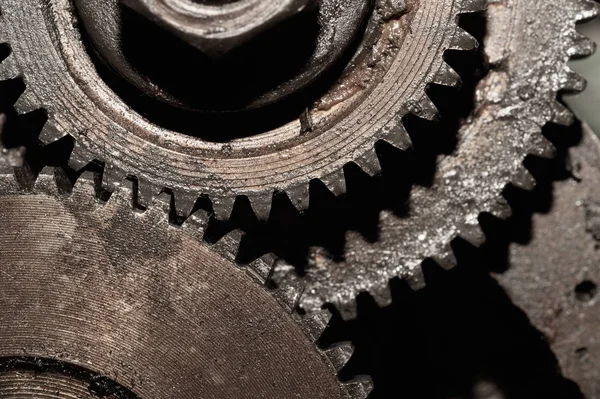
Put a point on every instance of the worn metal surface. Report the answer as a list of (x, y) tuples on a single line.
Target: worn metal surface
[(384, 84), (554, 278), (217, 28), (124, 296), (528, 45)]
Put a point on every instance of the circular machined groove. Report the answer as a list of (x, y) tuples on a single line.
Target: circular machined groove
[(364, 107)]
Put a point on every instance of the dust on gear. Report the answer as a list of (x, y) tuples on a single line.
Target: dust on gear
[(106, 301), (528, 44), (385, 81)]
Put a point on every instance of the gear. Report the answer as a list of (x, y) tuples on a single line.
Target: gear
[(401, 54), (529, 43), (101, 297)]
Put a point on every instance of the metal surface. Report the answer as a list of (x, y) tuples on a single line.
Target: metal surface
[(528, 45), (216, 28), (99, 300), (366, 105), (554, 278)]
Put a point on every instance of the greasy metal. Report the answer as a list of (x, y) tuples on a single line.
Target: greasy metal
[(528, 45), (365, 106), (553, 278), (216, 28), (146, 305), (339, 24)]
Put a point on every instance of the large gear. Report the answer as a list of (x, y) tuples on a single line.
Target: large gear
[(98, 300), (387, 80), (528, 45)]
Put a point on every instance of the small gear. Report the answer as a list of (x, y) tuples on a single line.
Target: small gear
[(107, 302), (528, 45), (402, 52)]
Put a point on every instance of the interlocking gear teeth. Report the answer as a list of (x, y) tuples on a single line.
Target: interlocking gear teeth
[(223, 198), (518, 97)]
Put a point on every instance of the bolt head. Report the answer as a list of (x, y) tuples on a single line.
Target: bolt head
[(217, 28)]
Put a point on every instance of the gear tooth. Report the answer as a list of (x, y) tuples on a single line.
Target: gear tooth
[(561, 115), (299, 196), (588, 10), (572, 81), (462, 40), (76, 163), (348, 310), (382, 295), (446, 257), (144, 193), (340, 354), (468, 6), (446, 76), (261, 268), (283, 273), (261, 205), (162, 205), (228, 246), (315, 323), (289, 295), (369, 162), (222, 207), (85, 185), (501, 209), (44, 182), (27, 103), (359, 387), (335, 182), (125, 189), (542, 147), (184, 203), (425, 109), (9, 68), (396, 135), (196, 222), (472, 233), (582, 46), (524, 179)]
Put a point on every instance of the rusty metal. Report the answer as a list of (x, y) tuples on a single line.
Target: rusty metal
[(554, 278), (385, 81), (216, 28), (99, 300), (528, 45)]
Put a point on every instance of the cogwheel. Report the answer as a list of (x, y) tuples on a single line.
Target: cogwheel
[(528, 43), (400, 54), (107, 302)]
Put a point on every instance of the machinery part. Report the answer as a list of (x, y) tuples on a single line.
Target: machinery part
[(96, 297), (553, 278), (106, 24), (217, 28), (528, 45), (385, 82)]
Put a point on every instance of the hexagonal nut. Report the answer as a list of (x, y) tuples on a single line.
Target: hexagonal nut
[(216, 29)]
